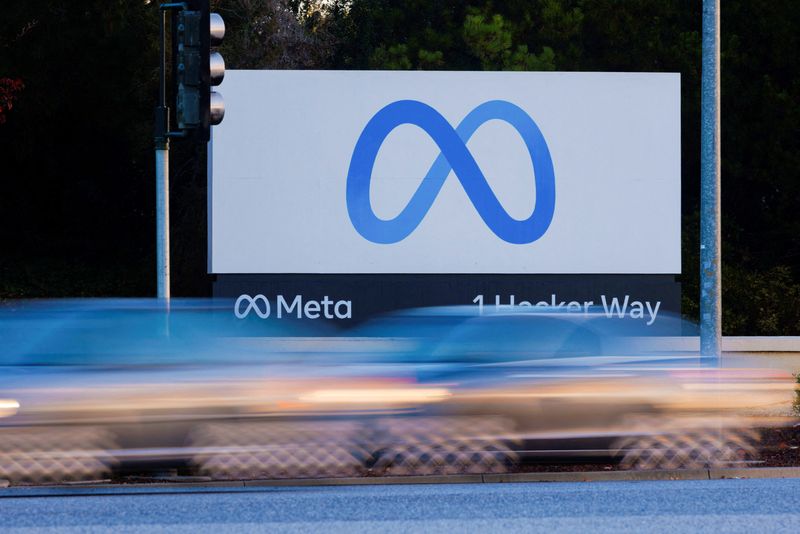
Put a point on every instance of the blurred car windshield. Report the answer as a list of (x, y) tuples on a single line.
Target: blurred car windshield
[(506, 338)]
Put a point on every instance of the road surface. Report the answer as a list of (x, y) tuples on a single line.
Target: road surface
[(767, 505)]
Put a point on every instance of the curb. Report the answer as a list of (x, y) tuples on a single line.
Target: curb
[(369, 481), (572, 476), (760, 472), (601, 476)]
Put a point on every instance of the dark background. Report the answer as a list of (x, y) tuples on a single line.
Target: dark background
[(78, 83)]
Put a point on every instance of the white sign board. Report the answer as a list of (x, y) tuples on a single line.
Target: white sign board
[(446, 172)]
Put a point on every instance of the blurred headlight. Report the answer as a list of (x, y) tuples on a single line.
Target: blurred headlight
[(8, 407), (731, 386), (376, 396)]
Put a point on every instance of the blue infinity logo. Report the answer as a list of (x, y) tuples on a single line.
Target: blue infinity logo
[(454, 156)]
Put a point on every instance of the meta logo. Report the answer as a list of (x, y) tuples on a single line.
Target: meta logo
[(298, 307), (454, 156)]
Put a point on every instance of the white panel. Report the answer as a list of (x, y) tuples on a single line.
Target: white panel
[(281, 159)]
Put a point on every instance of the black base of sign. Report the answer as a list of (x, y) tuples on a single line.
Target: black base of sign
[(348, 299)]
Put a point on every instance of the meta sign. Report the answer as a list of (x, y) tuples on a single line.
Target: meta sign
[(322, 177)]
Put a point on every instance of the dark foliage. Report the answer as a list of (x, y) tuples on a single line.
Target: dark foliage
[(77, 207)]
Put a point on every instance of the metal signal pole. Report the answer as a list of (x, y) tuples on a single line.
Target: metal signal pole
[(162, 171), (196, 68), (710, 211)]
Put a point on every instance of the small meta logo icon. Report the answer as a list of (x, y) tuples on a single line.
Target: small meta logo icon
[(454, 156)]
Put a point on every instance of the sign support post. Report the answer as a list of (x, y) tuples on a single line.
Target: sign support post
[(162, 172), (710, 242)]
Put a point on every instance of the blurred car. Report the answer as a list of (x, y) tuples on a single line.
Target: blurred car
[(555, 385), (93, 388)]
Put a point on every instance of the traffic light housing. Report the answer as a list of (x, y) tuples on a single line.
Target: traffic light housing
[(197, 68)]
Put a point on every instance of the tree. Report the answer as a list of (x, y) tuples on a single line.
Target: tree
[(491, 40), (9, 92), (77, 156), (276, 34)]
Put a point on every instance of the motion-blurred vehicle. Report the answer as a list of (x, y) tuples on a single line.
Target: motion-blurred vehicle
[(91, 389), (94, 388), (583, 387)]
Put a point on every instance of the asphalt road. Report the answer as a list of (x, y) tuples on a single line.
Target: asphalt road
[(769, 505)]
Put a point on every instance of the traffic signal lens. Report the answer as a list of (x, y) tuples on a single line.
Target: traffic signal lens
[(216, 29), (216, 108), (216, 68)]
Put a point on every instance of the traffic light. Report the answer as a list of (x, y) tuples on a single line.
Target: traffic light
[(197, 68)]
